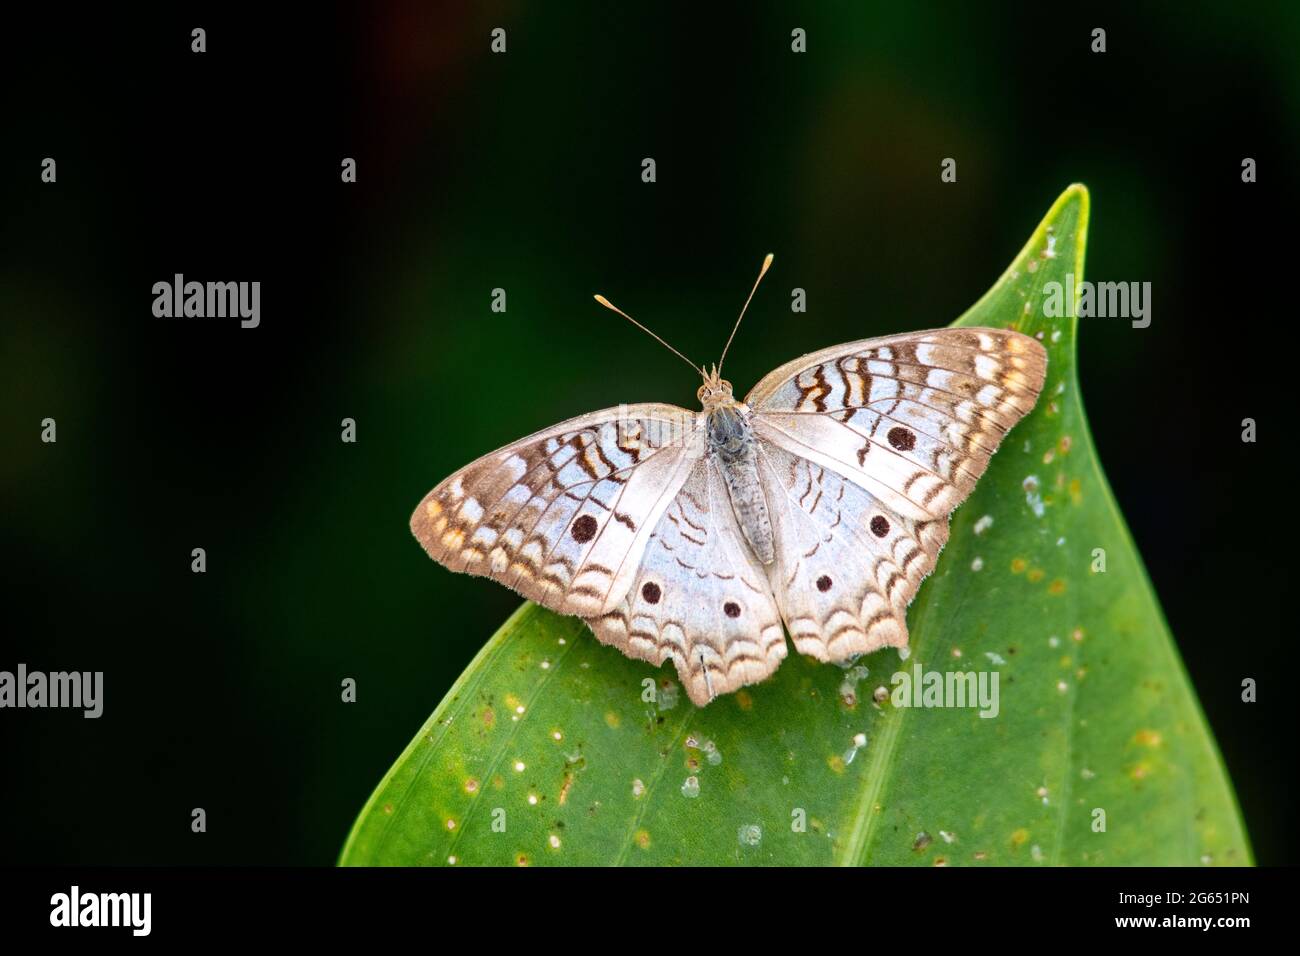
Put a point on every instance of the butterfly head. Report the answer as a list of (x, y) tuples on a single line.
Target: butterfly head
[(715, 391)]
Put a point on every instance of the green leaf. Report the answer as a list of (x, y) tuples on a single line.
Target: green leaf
[(546, 752)]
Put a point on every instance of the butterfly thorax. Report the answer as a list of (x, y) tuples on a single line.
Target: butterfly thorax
[(734, 450)]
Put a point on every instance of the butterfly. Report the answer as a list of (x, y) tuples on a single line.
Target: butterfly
[(815, 506)]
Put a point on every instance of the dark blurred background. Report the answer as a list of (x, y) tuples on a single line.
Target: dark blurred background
[(522, 171)]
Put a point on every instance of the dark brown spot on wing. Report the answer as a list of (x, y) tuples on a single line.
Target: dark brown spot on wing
[(584, 529), (879, 526), (901, 438)]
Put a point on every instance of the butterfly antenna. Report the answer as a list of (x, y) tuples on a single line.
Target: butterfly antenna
[(613, 308), (767, 263)]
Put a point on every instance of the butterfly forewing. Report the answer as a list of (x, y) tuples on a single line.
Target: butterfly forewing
[(563, 515), (912, 419)]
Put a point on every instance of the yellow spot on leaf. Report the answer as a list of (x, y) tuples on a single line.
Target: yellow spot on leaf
[(643, 839), (1035, 575), (1018, 565), (1148, 738), (1020, 837), (836, 763), (744, 701), (1056, 587), (611, 720)]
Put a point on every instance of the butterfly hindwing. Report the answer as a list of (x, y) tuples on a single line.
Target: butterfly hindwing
[(848, 566), (700, 598), (563, 515)]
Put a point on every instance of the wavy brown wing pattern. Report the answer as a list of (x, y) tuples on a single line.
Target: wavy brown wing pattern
[(564, 515), (913, 419), (701, 598)]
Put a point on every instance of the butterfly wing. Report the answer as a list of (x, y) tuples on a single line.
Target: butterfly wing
[(847, 566), (700, 598), (563, 515), (866, 449)]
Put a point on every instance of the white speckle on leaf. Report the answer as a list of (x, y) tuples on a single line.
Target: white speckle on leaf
[(977, 564), (667, 695), (983, 524), (995, 658), (691, 787), (520, 767), (749, 835), (904, 653), (1032, 497)]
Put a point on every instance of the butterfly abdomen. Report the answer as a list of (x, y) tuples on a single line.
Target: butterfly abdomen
[(734, 450)]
